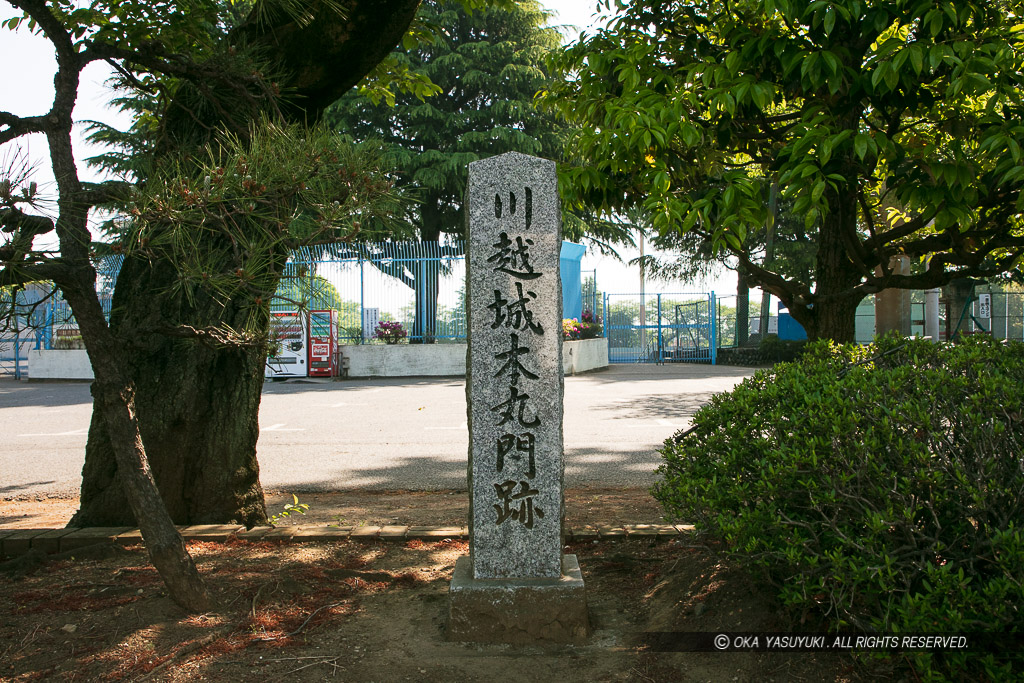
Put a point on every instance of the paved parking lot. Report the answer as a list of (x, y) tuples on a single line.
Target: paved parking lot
[(381, 433)]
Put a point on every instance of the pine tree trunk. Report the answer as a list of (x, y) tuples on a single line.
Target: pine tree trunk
[(114, 396), (197, 411), (197, 406)]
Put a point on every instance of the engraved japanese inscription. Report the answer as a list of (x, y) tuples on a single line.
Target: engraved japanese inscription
[(514, 379)]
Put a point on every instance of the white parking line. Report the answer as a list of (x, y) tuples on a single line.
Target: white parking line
[(278, 428), (84, 431), (462, 426), (656, 423)]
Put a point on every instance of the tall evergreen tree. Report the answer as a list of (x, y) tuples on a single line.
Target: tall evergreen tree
[(487, 66)]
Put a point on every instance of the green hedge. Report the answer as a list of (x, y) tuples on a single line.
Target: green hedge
[(881, 487)]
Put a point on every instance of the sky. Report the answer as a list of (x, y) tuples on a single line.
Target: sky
[(26, 88)]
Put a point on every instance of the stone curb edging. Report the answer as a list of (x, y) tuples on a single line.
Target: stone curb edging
[(15, 542)]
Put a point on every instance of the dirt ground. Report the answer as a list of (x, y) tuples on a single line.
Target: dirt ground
[(353, 611), (584, 507)]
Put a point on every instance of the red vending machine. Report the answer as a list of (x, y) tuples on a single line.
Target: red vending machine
[(323, 343)]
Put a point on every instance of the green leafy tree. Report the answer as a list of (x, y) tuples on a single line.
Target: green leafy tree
[(80, 36), (305, 291), (892, 127), (283, 62), (487, 66), (784, 247), (205, 249)]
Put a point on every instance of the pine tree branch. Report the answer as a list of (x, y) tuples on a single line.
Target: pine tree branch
[(16, 126), (23, 274), (94, 194)]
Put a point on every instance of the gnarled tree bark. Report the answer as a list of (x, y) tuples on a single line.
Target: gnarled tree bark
[(197, 405)]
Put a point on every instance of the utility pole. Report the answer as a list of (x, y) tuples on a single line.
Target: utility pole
[(769, 254)]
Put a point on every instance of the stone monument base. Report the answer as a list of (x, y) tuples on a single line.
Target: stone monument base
[(519, 611)]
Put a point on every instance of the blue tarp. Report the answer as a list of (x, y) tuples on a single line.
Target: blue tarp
[(789, 328), (572, 288)]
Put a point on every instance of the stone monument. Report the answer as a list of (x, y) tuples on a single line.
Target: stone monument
[(515, 586)]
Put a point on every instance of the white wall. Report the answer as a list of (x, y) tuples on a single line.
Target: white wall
[(59, 364), (449, 360), (404, 360), (581, 356), (366, 360)]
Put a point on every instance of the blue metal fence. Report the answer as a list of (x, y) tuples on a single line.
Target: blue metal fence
[(593, 299), (23, 327), (1005, 321), (661, 328), (60, 329), (419, 284)]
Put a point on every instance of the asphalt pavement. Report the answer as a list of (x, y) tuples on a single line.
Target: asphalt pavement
[(380, 433)]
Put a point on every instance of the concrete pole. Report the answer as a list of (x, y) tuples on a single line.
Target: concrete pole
[(643, 302), (892, 306), (931, 314), (769, 256)]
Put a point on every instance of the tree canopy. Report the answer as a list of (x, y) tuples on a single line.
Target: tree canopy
[(487, 66), (175, 419), (892, 127)]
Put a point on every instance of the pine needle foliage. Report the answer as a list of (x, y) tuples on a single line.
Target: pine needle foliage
[(258, 199), (486, 67)]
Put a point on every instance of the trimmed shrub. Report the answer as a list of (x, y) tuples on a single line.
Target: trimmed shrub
[(775, 350), (881, 488)]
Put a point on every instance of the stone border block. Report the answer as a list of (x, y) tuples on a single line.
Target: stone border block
[(4, 533), (434, 533), (69, 539), (611, 532), (518, 611), (130, 537), (49, 541), (279, 533), (20, 540), (80, 538), (365, 533), (336, 533), (217, 533), (254, 534), (313, 534)]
